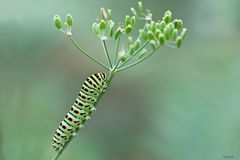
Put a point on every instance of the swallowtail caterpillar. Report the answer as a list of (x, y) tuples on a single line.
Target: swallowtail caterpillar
[(80, 111)]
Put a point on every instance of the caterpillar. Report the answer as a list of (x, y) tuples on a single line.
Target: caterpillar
[(81, 110)]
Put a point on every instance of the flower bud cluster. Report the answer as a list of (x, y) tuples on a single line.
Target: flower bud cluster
[(104, 27), (164, 31), (66, 27)]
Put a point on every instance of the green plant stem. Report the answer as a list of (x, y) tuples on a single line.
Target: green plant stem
[(86, 54), (106, 53), (137, 62), (109, 80), (116, 66), (116, 49), (135, 53)]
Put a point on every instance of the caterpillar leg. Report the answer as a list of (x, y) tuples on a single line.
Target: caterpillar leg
[(105, 85), (74, 134), (88, 118), (93, 109), (59, 148)]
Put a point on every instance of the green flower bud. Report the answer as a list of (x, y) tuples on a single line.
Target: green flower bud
[(170, 27), (110, 23), (161, 39), (180, 23), (168, 12), (174, 34), (140, 6), (153, 45), (153, 26), (122, 56), (104, 14), (133, 20), (109, 14), (150, 35), (96, 29), (69, 20), (127, 20), (177, 23), (143, 34), (179, 41), (167, 16), (117, 33), (131, 49), (57, 21), (128, 29), (110, 28), (183, 33), (134, 12), (102, 25), (110, 32), (167, 33), (148, 27), (136, 44), (157, 32), (161, 25)]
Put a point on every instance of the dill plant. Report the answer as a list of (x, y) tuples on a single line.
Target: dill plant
[(153, 35)]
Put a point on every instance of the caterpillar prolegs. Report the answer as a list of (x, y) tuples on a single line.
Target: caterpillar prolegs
[(80, 111)]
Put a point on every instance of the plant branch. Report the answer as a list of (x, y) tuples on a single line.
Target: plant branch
[(116, 66), (109, 80), (135, 53), (106, 52), (117, 48), (86, 54), (137, 62)]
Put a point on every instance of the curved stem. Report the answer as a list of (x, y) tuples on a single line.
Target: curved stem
[(106, 52), (86, 54), (116, 49), (135, 63), (109, 80)]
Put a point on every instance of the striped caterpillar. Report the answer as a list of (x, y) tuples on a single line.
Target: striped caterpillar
[(80, 111)]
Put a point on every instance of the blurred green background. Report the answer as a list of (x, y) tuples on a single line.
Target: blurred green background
[(181, 104)]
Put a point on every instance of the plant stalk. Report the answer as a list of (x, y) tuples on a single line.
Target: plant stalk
[(117, 49), (106, 53), (86, 54)]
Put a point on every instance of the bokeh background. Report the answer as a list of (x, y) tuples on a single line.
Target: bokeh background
[(181, 104)]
